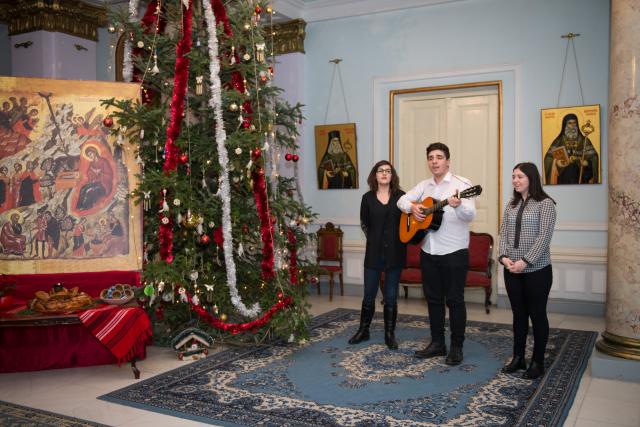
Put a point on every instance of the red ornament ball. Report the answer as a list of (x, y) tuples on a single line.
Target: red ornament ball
[(205, 239), (288, 157), (246, 124), (256, 153), (280, 295), (107, 122), (314, 279), (183, 158), (295, 157), (258, 10)]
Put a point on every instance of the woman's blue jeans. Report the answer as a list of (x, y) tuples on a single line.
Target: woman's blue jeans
[(372, 282)]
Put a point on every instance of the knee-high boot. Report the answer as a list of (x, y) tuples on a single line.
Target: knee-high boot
[(366, 314), (390, 316)]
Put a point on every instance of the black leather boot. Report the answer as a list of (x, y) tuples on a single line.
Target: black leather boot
[(390, 316), (516, 363), (455, 356), (366, 314), (535, 370), (434, 349)]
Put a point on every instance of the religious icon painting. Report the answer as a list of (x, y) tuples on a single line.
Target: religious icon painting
[(336, 156), (65, 179), (571, 145)]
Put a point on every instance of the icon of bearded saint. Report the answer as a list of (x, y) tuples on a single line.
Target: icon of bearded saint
[(571, 158), (336, 170)]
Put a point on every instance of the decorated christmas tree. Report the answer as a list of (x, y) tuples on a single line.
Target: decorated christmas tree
[(222, 228)]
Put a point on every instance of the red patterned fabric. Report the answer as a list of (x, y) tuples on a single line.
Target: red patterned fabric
[(122, 330), (34, 348)]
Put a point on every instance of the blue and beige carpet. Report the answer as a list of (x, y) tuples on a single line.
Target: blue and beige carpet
[(327, 382), (13, 415)]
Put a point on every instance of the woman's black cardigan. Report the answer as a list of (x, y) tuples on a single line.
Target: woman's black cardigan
[(380, 225)]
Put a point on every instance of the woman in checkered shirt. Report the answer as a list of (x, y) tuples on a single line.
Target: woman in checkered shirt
[(525, 235)]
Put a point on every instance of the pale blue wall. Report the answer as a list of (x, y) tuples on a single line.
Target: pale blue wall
[(5, 51), (518, 38)]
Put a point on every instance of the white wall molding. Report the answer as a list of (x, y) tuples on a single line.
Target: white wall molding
[(581, 226)]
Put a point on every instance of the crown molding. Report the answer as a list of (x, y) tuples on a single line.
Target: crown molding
[(322, 10), (72, 17)]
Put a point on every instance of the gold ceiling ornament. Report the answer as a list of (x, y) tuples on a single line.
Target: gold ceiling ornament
[(72, 17), (288, 36)]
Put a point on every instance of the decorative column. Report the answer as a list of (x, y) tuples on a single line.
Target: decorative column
[(622, 335)]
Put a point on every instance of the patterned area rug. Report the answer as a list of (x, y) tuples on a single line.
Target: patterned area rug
[(20, 416), (327, 382)]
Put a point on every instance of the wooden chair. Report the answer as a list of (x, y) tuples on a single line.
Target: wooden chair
[(480, 263), (330, 255)]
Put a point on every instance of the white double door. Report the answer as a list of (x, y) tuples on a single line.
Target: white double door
[(467, 122)]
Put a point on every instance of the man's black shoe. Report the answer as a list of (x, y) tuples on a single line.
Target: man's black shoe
[(534, 371), (432, 350), (454, 357), (516, 363)]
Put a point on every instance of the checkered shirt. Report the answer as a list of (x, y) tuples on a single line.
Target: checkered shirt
[(525, 232)]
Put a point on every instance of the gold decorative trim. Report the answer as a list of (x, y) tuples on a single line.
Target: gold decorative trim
[(288, 36), (496, 83), (618, 346), (63, 16)]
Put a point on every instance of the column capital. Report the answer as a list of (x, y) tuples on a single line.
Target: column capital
[(288, 37), (72, 17)]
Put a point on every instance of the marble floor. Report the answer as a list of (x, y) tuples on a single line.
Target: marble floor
[(73, 392)]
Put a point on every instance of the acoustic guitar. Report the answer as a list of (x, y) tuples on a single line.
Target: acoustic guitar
[(413, 231)]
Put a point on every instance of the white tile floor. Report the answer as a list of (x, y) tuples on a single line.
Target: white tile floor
[(73, 392)]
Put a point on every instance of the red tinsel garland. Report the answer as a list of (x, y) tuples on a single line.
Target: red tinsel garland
[(236, 328), (221, 16), (148, 21), (181, 75), (266, 228), (293, 256), (165, 236)]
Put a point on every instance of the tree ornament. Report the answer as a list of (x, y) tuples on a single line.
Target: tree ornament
[(107, 122), (159, 312), (205, 239), (191, 221), (246, 57), (233, 106), (263, 76), (256, 153), (232, 57), (295, 157), (111, 29), (288, 157), (183, 158), (199, 80), (260, 54), (247, 26), (176, 202), (238, 151), (258, 9), (269, 9), (140, 44), (223, 317), (149, 290)]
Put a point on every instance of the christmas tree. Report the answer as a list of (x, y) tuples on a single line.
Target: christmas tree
[(222, 228)]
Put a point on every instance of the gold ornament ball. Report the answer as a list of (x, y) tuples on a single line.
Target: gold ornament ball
[(191, 221), (223, 317), (111, 29), (233, 107)]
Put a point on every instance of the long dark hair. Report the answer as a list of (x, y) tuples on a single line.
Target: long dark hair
[(535, 184), (394, 185)]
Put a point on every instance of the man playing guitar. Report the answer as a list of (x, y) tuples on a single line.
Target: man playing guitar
[(444, 259)]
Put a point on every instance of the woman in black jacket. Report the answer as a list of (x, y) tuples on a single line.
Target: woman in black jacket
[(379, 219)]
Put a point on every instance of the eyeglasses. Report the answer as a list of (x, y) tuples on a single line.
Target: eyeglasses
[(384, 171)]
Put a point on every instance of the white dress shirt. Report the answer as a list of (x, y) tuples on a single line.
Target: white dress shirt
[(453, 234)]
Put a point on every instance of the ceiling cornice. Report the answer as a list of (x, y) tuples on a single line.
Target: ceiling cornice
[(322, 10)]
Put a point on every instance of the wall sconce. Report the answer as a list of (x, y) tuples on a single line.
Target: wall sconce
[(23, 44)]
